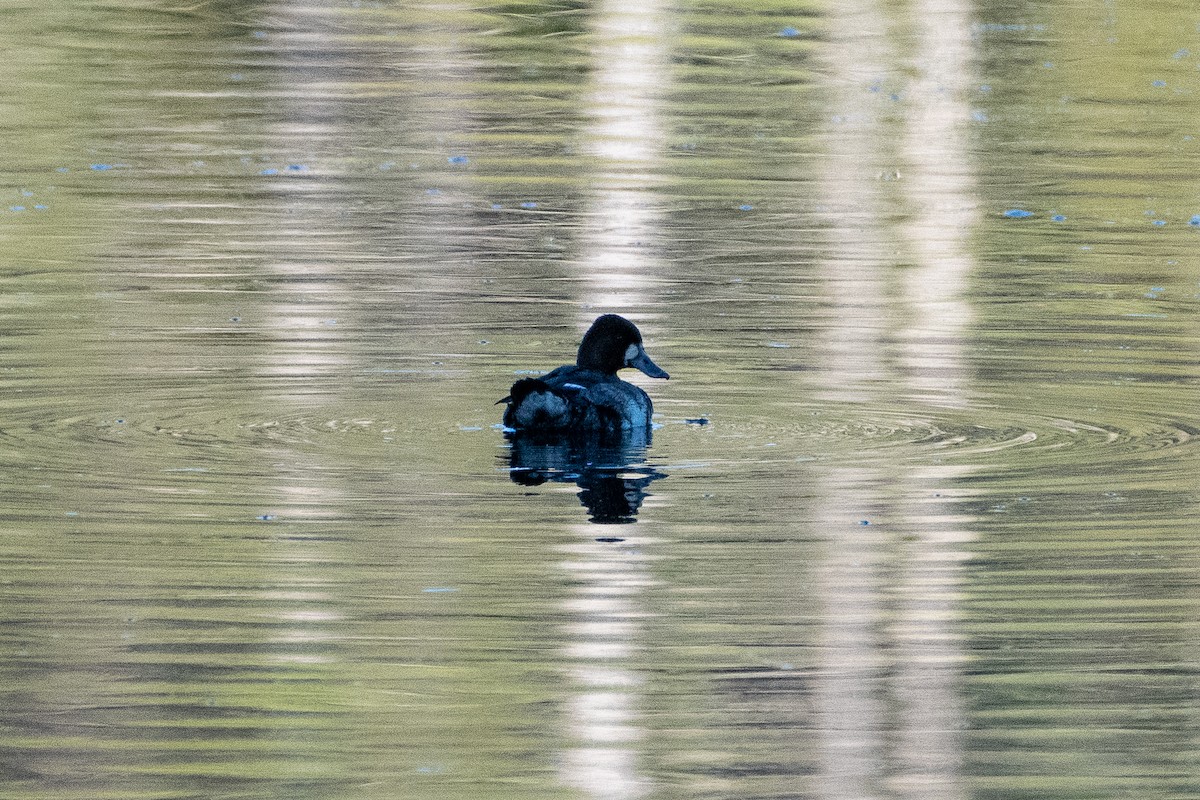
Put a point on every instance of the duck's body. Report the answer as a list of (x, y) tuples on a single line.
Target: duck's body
[(572, 398), (588, 396)]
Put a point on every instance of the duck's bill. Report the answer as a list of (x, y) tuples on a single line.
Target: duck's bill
[(642, 361)]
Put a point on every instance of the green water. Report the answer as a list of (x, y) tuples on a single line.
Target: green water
[(917, 518)]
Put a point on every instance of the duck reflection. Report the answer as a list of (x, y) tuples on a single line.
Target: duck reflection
[(610, 469)]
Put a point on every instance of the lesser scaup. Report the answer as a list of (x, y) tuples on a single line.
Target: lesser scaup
[(588, 396)]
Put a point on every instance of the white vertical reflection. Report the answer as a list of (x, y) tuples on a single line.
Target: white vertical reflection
[(853, 344), (940, 189), (302, 344), (602, 714), (849, 705), (889, 714), (625, 142)]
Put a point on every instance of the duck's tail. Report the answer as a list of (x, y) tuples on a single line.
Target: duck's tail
[(533, 404)]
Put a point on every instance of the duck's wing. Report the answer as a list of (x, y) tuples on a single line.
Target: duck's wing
[(616, 404)]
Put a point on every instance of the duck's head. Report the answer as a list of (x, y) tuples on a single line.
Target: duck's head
[(613, 343)]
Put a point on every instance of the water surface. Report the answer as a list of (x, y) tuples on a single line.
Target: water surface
[(916, 519)]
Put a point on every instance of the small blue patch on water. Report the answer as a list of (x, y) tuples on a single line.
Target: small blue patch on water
[(265, 517), (1159, 223), (433, 192), (259, 34), (439, 589), (100, 167), (269, 171), (1195, 220), (496, 206), (529, 204), (980, 116), (40, 207), (1158, 84), (1047, 65), (1059, 218), (16, 208), (789, 32), (458, 160), (864, 522), (26, 193), (62, 169), (985, 87), (1018, 213), (696, 421), (1181, 53), (745, 207), (297, 168)]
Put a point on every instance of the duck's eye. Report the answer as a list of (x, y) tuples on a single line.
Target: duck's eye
[(631, 353)]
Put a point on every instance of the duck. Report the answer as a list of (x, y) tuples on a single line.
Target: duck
[(587, 396)]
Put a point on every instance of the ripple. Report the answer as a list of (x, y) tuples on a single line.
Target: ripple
[(196, 435), (176, 437), (978, 436)]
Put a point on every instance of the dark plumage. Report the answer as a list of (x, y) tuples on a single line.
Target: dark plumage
[(588, 396)]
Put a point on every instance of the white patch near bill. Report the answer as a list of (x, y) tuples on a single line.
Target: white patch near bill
[(631, 353)]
